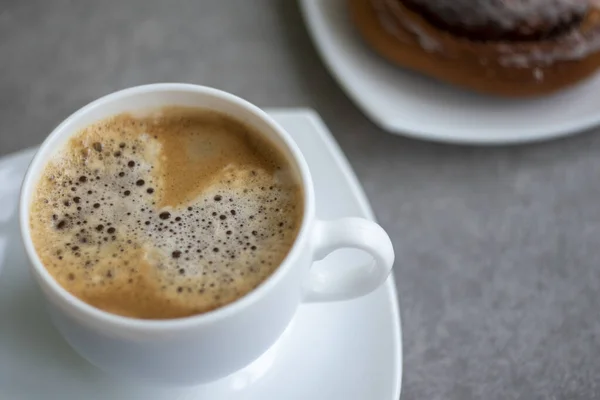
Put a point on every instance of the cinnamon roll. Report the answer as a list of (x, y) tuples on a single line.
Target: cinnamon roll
[(519, 48)]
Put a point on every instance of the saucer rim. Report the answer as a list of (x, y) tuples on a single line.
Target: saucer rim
[(358, 193)]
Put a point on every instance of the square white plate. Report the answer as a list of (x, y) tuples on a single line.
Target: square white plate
[(347, 350), (407, 103)]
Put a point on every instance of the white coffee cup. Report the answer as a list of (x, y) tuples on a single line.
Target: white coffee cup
[(208, 346)]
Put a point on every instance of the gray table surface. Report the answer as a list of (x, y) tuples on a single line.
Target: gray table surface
[(497, 248)]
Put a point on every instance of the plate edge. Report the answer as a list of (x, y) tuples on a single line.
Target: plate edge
[(309, 8)]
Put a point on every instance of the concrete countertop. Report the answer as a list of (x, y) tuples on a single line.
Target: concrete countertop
[(497, 248)]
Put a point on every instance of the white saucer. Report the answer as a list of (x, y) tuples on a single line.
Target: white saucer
[(349, 350), (409, 104)]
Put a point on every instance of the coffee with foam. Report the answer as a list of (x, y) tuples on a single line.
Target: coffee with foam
[(166, 215)]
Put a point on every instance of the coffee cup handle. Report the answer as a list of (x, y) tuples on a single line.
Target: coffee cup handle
[(351, 281)]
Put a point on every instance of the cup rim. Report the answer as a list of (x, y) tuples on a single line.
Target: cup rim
[(86, 310)]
